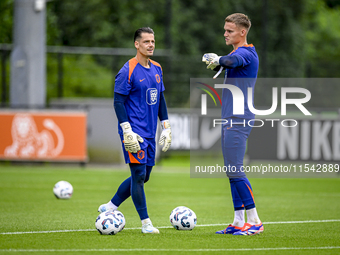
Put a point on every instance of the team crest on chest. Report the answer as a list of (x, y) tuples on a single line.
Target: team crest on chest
[(151, 96), (158, 79)]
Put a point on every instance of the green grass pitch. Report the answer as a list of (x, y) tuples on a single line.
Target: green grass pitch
[(300, 216)]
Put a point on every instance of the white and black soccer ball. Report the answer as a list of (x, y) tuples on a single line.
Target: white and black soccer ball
[(121, 218), (183, 218), (63, 190), (110, 222)]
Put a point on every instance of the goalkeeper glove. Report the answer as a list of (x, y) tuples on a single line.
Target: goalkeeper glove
[(131, 139), (165, 135), (208, 57), (211, 59)]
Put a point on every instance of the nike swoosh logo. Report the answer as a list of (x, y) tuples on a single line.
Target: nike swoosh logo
[(229, 127), (141, 80)]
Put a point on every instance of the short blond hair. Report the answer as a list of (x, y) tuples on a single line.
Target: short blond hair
[(239, 19)]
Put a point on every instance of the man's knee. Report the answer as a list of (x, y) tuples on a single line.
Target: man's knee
[(235, 172), (138, 173), (148, 172)]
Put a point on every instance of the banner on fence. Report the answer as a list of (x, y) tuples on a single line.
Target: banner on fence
[(43, 136)]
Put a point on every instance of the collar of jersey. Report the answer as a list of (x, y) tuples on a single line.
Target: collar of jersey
[(245, 45)]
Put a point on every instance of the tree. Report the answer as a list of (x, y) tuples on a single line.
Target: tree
[(6, 17)]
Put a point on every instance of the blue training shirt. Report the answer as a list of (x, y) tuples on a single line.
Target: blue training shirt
[(143, 87), (242, 77)]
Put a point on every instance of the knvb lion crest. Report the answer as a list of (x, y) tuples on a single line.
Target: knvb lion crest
[(158, 79), (141, 154), (151, 96), (28, 142)]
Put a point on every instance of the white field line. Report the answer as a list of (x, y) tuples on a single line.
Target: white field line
[(203, 225), (172, 250)]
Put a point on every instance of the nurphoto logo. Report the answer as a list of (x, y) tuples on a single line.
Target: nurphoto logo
[(239, 102)]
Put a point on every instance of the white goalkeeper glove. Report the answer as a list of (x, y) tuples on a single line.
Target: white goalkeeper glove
[(208, 57), (212, 60), (131, 139), (165, 137)]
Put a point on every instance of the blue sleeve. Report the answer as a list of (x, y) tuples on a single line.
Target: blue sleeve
[(162, 112), (122, 84), (232, 61), (118, 104)]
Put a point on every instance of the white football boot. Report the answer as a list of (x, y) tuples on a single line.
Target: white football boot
[(148, 228), (106, 207)]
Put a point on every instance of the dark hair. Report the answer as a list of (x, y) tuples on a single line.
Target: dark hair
[(138, 33), (239, 19)]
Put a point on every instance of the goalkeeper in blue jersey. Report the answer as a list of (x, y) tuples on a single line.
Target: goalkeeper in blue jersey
[(138, 103), (241, 67)]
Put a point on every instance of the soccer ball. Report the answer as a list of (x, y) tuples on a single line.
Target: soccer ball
[(182, 218), (121, 218), (63, 190), (110, 222)]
